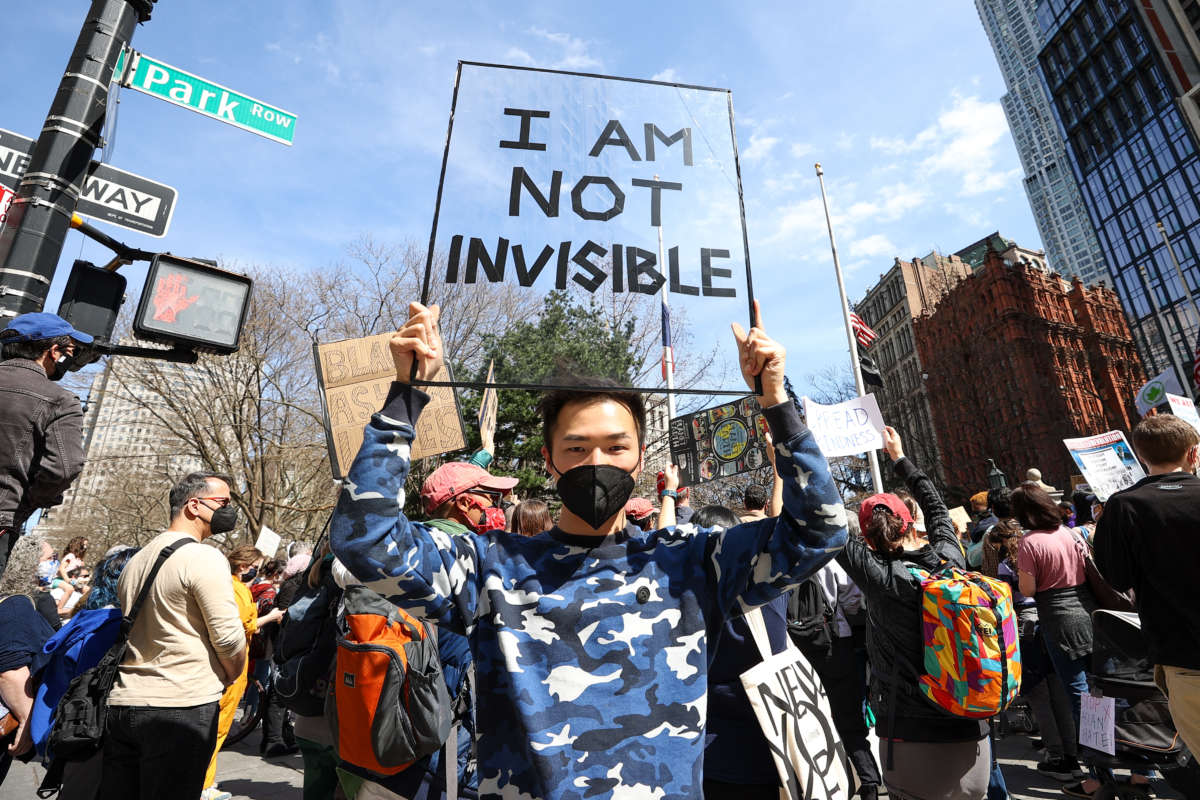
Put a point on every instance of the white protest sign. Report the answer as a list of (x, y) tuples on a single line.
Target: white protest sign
[(1107, 461), (1097, 723), (1154, 391), (268, 542), (848, 428), (1185, 409)]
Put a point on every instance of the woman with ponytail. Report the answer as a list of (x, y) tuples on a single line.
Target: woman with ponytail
[(925, 752)]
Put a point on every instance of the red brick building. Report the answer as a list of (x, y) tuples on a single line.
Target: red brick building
[(1018, 359)]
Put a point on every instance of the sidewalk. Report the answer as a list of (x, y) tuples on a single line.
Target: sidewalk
[(250, 777)]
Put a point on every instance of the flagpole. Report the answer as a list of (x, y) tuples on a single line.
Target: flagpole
[(872, 456), (668, 352)]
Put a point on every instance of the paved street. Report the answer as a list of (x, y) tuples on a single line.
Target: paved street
[(250, 777)]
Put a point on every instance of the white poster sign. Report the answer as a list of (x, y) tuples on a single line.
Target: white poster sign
[(1154, 392), (1097, 723), (846, 429), (1185, 409), (268, 542), (1107, 461)]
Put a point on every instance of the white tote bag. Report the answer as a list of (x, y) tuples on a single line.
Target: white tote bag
[(793, 712)]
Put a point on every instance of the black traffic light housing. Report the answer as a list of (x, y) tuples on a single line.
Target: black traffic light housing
[(91, 302), (190, 303)]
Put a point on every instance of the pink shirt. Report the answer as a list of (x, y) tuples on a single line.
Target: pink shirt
[(1052, 558)]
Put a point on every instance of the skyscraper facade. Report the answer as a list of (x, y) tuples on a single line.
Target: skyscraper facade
[(1062, 220), (1122, 75)]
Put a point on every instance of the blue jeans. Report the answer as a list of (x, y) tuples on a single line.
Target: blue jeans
[(1073, 672)]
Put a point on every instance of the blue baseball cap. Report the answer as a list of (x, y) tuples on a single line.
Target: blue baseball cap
[(39, 325)]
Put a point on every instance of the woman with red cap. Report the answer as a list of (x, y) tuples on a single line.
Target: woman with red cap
[(926, 753)]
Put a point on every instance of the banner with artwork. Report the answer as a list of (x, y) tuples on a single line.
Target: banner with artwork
[(1106, 461), (719, 442)]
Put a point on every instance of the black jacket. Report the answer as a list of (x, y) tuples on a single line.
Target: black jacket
[(894, 643), (1148, 540), (41, 440)]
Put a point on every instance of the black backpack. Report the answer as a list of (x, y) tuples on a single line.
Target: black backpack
[(306, 647), (810, 620)]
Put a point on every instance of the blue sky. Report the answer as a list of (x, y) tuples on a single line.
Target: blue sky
[(899, 101)]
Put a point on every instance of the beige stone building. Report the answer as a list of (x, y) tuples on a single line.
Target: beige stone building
[(907, 290)]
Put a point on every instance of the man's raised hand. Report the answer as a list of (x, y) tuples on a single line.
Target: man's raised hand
[(419, 338), (761, 356)]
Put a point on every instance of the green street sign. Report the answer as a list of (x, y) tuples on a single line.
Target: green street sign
[(182, 88)]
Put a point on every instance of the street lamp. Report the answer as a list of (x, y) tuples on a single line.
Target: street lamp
[(995, 477)]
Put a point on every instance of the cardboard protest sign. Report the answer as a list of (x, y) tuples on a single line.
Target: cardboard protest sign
[(562, 181), (489, 406), (846, 429), (1107, 461), (1154, 391), (354, 376), (718, 442), (267, 542), (960, 518), (1185, 409)]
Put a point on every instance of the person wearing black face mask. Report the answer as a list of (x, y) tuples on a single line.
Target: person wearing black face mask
[(595, 634), (187, 644), (41, 423)]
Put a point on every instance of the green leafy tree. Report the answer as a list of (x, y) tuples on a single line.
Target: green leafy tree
[(567, 342)]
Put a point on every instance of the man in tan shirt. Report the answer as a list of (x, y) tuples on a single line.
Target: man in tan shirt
[(186, 645)]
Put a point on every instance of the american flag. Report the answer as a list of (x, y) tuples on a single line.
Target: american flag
[(862, 331), (668, 356)]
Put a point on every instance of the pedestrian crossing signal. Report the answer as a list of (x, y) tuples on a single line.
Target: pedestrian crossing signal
[(190, 303)]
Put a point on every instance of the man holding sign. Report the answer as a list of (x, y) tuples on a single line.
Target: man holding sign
[(591, 639)]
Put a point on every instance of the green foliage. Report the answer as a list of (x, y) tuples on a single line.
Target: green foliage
[(567, 342)]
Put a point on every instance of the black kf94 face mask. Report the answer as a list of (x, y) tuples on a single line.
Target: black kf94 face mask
[(595, 492)]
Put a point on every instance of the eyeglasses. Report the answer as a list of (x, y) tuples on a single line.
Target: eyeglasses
[(224, 501), (493, 497)]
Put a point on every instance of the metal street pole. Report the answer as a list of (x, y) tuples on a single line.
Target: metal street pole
[(668, 355), (872, 456), (1184, 383), (1187, 292), (31, 240)]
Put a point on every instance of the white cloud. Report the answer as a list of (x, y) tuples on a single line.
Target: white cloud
[(801, 149), (516, 55), (962, 143), (669, 75), (875, 245), (574, 51), (760, 147)]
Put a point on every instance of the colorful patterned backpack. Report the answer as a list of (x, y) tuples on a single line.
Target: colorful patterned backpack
[(969, 632)]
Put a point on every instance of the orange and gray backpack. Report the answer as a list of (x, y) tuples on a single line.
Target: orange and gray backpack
[(388, 706)]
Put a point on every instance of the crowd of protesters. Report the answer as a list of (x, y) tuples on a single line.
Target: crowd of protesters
[(596, 648)]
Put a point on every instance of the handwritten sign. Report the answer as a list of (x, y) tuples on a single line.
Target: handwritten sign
[(267, 542), (1106, 461), (718, 442), (556, 181), (489, 406), (846, 429), (1185, 409), (355, 376), (1097, 723)]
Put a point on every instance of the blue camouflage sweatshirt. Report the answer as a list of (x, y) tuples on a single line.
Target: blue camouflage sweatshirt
[(591, 653)]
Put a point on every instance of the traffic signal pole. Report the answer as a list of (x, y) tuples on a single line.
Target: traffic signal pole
[(32, 238)]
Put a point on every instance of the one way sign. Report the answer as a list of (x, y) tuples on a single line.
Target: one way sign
[(109, 194)]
